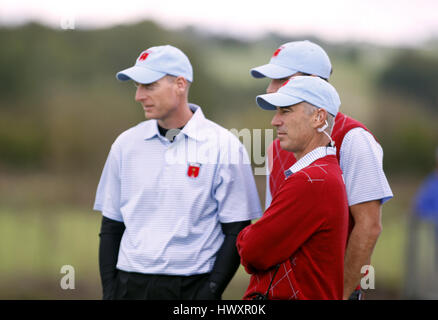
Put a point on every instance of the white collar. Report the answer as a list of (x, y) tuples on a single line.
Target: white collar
[(190, 129), (309, 158)]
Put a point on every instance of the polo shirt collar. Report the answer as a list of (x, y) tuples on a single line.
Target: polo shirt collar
[(151, 129), (192, 128), (309, 158)]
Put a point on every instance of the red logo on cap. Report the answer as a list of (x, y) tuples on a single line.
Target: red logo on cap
[(143, 56), (285, 83), (277, 51)]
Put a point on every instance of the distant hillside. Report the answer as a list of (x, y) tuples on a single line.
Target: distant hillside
[(61, 106)]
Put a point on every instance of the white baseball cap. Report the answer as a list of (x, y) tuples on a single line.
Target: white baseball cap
[(156, 62), (297, 56), (312, 90)]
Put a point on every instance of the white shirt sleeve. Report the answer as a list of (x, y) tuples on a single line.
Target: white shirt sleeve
[(236, 192), (108, 191), (361, 161)]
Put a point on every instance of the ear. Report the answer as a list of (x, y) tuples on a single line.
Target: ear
[(181, 84), (320, 118)]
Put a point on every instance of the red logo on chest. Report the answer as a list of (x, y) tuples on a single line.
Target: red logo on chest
[(193, 170)]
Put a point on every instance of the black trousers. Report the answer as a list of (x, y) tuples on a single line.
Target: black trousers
[(138, 286)]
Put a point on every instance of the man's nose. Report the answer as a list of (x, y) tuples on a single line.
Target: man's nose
[(276, 121), (272, 87), (140, 94)]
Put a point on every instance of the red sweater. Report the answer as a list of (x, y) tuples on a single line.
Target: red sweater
[(305, 231)]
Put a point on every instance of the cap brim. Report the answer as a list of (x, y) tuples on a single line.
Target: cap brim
[(140, 75), (272, 71), (271, 101)]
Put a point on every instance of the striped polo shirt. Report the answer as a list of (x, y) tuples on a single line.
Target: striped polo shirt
[(172, 197)]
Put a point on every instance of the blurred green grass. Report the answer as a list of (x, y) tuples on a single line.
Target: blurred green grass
[(38, 242)]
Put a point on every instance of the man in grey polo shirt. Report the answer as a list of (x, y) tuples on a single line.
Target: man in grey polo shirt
[(174, 193)]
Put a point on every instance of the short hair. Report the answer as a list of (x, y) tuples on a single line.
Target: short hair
[(172, 78), (331, 123), (310, 108), (309, 75)]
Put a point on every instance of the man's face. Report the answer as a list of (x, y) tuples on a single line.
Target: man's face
[(159, 99), (294, 127)]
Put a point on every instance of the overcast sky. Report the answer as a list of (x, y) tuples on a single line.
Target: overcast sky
[(388, 22)]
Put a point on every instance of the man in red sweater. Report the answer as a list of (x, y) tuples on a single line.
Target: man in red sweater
[(359, 154), (296, 250)]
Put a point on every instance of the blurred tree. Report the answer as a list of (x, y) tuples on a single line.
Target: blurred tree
[(408, 147), (407, 111), (61, 106), (415, 74)]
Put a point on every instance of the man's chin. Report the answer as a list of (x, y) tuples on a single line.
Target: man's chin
[(285, 146), (149, 115)]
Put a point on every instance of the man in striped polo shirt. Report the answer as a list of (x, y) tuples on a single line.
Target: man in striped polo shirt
[(359, 154), (174, 193), (296, 250)]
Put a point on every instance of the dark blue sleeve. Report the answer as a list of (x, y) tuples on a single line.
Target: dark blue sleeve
[(111, 233), (227, 262), (426, 200)]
